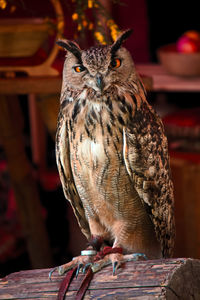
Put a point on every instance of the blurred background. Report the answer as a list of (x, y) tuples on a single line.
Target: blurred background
[(37, 225)]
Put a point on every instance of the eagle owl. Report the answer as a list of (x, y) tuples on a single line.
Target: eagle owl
[(112, 155)]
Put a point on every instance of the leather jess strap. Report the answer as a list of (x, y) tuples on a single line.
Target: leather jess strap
[(88, 277)]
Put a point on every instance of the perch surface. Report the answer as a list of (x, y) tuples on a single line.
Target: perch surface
[(154, 279)]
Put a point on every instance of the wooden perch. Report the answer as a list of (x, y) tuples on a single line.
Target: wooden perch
[(154, 279)]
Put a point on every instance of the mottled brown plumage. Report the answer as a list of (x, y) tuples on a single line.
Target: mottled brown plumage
[(112, 153)]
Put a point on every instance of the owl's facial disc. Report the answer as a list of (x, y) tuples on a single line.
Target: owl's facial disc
[(97, 68)]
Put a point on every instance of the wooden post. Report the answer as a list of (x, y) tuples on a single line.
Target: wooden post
[(170, 279), (25, 188), (186, 178), (38, 134), (48, 106)]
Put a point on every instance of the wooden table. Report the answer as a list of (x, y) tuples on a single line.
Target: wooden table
[(163, 81), (34, 85)]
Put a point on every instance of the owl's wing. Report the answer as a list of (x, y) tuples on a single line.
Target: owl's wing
[(64, 168), (145, 151)]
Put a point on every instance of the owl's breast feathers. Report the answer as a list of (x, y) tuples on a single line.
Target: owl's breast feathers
[(112, 151)]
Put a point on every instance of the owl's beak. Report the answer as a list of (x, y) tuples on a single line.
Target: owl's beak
[(99, 80)]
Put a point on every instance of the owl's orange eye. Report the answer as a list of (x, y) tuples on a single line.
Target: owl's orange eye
[(79, 69), (116, 63)]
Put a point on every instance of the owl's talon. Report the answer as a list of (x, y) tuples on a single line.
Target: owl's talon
[(115, 267), (51, 272), (78, 269), (61, 270), (138, 256), (86, 267), (135, 257)]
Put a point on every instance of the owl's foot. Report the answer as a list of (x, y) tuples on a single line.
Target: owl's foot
[(116, 259), (86, 257), (103, 258), (135, 257)]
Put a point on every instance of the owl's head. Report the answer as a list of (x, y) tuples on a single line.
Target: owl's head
[(97, 67)]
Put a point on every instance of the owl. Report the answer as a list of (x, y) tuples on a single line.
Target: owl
[(112, 157)]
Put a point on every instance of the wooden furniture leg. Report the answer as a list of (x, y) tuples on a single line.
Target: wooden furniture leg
[(38, 134), (48, 106), (25, 187), (186, 178)]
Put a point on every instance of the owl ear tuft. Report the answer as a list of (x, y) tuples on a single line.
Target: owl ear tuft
[(71, 47), (121, 38)]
